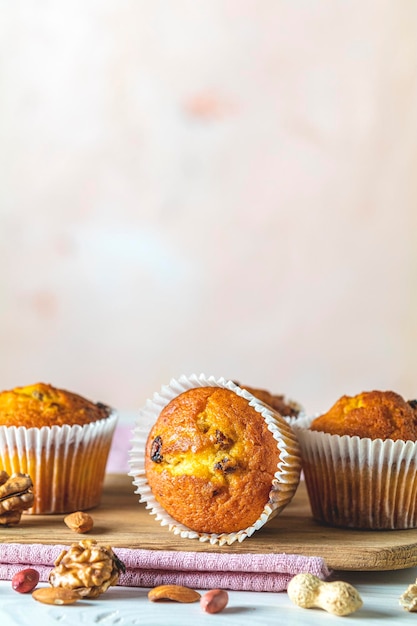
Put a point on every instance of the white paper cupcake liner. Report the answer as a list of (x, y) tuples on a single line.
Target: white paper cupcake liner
[(359, 482), (284, 483), (66, 463)]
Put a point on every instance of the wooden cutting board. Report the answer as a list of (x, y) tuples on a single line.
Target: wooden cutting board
[(121, 521)]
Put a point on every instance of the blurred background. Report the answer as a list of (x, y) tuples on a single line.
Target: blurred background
[(217, 186)]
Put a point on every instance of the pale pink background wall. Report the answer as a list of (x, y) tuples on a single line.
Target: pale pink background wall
[(213, 186)]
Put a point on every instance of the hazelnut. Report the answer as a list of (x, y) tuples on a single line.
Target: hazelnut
[(79, 522)]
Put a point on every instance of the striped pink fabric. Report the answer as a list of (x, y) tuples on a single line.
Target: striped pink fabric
[(200, 570)]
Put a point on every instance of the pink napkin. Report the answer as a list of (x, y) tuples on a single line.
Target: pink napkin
[(199, 570)]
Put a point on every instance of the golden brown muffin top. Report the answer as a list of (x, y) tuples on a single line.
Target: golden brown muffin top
[(210, 460), (278, 402), (373, 414), (43, 405)]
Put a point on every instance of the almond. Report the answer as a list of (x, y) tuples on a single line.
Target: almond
[(55, 595), (177, 593)]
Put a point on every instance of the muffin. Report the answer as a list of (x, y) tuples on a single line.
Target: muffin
[(360, 460), (61, 440), (280, 404), (374, 414), (211, 461)]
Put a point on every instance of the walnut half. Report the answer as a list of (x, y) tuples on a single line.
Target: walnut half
[(15, 497), (87, 568)]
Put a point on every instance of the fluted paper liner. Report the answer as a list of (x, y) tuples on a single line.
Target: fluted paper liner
[(284, 483), (66, 463), (359, 482)]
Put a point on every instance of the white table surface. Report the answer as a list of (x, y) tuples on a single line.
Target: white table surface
[(129, 606)]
